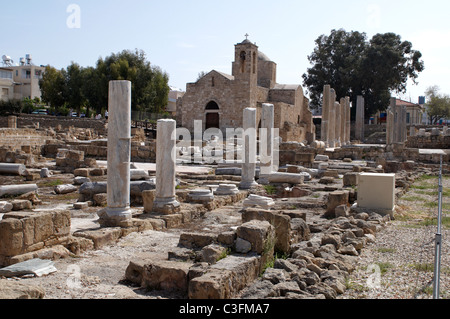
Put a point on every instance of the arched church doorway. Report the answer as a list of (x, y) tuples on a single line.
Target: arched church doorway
[(212, 115)]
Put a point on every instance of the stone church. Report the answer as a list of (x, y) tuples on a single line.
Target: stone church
[(218, 99)]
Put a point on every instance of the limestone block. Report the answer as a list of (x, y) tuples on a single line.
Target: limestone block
[(5, 207), (166, 275), (81, 205), (100, 199), (22, 232), (212, 253), (350, 179), (85, 172), (101, 237), (196, 240), (21, 204), (261, 234), (148, 197), (226, 278), (280, 222), (17, 290), (322, 158), (336, 199)]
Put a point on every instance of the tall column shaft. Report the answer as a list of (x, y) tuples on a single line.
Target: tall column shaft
[(332, 120), (348, 115), (266, 146), (359, 126), (119, 150), (325, 114), (165, 198), (338, 124), (343, 121), (249, 156)]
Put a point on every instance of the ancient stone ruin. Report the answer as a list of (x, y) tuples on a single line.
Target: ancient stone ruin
[(289, 223)]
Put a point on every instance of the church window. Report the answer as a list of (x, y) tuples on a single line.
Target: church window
[(254, 62), (242, 57), (212, 82)]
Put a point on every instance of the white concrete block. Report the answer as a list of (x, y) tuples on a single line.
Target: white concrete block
[(376, 192)]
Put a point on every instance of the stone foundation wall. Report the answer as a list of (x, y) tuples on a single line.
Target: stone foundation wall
[(30, 120), (297, 154), (25, 232), (429, 142)]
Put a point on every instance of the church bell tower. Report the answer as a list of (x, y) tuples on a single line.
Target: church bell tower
[(245, 65)]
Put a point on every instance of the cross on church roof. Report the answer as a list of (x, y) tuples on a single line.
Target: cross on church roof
[(246, 36)]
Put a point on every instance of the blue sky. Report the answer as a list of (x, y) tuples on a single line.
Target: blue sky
[(185, 37)]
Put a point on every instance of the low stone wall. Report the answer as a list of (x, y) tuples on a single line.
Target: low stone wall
[(26, 232), (429, 142), (298, 154), (45, 121), (14, 139)]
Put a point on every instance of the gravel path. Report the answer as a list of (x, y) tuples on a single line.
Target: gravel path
[(404, 251)]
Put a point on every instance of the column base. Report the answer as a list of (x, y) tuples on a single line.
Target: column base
[(115, 217), (248, 185), (166, 206)]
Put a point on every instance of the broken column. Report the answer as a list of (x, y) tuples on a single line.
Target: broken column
[(12, 169), (390, 122), (119, 152), (266, 146), (325, 114), (249, 155), (165, 198), (359, 125), (12, 121)]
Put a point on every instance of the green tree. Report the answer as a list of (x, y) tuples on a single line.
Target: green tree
[(438, 105), (74, 84), (150, 86), (53, 87), (354, 66)]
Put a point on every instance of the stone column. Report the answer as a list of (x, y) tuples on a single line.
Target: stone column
[(338, 118), (396, 131), (359, 125), (119, 152), (332, 120), (12, 121), (343, 121), (402, 127), (165, 198), (266, 143), (390, 125), (348, 116), (249, 155), (325, 114)]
